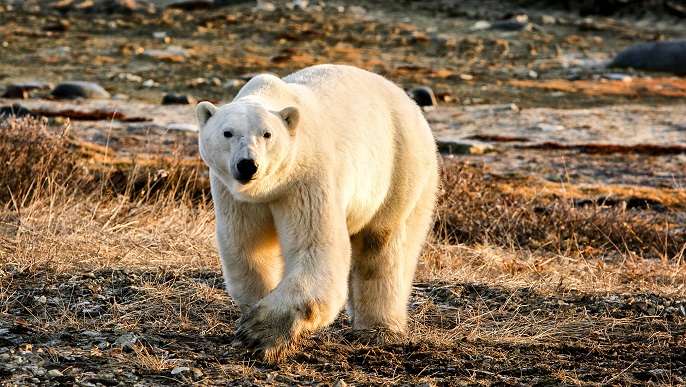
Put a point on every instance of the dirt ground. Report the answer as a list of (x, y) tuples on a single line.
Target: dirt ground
[(105, 299)]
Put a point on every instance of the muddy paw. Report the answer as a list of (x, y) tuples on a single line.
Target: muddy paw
[(267, 333)]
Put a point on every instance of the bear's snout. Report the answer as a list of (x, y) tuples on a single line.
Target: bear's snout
[(246, 169)]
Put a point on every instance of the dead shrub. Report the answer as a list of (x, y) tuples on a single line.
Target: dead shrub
[(474, 209), (33, 158), (38, 161)]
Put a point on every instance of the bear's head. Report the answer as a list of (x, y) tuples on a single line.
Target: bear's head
[(247, 145)]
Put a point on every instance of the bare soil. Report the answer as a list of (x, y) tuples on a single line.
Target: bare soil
[(557, 257)]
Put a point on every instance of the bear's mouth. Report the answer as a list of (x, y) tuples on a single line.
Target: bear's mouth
[(245, 181)]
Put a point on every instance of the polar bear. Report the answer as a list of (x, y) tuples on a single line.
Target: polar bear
[(324, 186)]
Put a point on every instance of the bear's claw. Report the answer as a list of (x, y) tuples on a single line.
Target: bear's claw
[(266, 333)]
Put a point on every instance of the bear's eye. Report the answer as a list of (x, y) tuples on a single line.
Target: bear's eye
[(228, 134), (267, 135)]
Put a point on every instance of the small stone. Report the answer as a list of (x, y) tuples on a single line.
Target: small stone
[(423, 96), (170, 54), (149, 83), (340, 383), (505, 107), (128, 339), (191, 5), (548, 127), (161, 35), (617, 77), (462, 147), (481, 25), (510, 25), (233, 83), (41, 299), (264, 6), (54, 373), (178, 370), (79, 89), (177, 99), (130, 77)]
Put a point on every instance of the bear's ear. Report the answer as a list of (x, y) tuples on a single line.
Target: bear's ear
[(204, 111), (291, 116)]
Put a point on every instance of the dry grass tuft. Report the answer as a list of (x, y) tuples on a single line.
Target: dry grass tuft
[(33, 158), (477, 208)]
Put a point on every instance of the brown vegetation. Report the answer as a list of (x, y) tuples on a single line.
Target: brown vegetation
[(110, 274)]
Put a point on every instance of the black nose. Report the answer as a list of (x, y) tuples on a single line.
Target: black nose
[(247, 168)]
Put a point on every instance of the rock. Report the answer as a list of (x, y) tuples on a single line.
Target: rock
[(510, 25), (233, 83), (667, 55), (340, 383), (127, 340), (617, 77), (423, 96), (264, 6), (54, 373), (149, 83), (177, 99), (21, 90), (107, 6), (170, 54), (16, 110), (178, 370), (13, 91), (193, 5), (462, 147), (79, 89), (548, 127)]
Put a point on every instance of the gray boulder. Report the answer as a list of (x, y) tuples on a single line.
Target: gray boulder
[(79, 89), (666, 55)]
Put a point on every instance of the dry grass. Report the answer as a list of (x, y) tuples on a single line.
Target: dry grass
[(139, 244), (479, 208)]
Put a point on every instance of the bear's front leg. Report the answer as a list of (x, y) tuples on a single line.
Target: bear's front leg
[(316, 250)]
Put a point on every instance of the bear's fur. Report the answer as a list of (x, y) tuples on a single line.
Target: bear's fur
[(324, 184)]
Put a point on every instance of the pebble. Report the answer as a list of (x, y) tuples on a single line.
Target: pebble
[(178, 370), (340, 383), (233, 83), (171, 53), (510, 25), (264, 6), (177, 99), (617, 77), (54, 373), (149, 83), (543, 127), (191, 5), (462, 147), (666, 55), (130, 77), (423, 96), (79, 89)]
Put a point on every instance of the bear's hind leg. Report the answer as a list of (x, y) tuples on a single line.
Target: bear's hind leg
[(383, 267)]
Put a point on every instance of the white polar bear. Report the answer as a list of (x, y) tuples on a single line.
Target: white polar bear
[(324, 185)]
